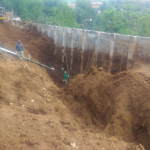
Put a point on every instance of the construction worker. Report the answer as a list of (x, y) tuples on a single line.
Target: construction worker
[(19, 49), (66, 77)]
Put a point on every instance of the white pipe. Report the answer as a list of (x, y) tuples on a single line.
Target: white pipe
[(8, 51), (12, 53)]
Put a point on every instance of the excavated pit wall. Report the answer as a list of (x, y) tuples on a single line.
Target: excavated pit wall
[(76, 48)]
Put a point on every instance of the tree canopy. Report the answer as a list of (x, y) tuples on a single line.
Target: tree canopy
[(117, 16)]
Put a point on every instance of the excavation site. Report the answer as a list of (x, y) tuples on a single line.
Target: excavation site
[(104, 106)]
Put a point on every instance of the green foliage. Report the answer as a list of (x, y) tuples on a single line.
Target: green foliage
[(105, 6), (63, 16), (49, 4), (145, 26), (7, 4), (26, 9), (84, 11), (117, 16)]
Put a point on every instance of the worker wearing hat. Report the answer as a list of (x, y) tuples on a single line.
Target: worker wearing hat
[(19, 49), (66, 76)]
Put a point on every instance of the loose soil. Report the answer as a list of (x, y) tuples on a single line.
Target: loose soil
[(118, 104), (95, 111)]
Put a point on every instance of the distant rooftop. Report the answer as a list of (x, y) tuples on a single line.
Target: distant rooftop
[(94, 5), (72, 5)]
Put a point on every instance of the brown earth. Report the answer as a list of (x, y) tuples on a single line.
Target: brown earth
[(97, 111), (39, 46), (118, 104), (51, 121)]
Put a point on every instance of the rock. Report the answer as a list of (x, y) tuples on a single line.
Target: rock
[(73, 145), (11, 104), (22, 135), (100, 69), (48, 100), (142, 148), (25, 66), (29, 142), (32, 101), (44, 89)]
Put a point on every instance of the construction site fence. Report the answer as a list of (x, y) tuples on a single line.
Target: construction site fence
[(101, 42)]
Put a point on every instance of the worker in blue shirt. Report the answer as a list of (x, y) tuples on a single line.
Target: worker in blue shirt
[(19, 49)]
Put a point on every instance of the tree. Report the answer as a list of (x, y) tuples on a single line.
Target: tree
[(7, 4), (101, 23), (121, 24), (110, 17), (85, 12), (49, 4), (145, 30), (63, 17), (104, 6), (131, 16)]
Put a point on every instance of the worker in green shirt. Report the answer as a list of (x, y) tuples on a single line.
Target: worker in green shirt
[(66, 77)]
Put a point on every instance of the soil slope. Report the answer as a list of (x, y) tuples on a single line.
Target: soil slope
[(97, 111), (40, 47), (33, 116), (118, 104)]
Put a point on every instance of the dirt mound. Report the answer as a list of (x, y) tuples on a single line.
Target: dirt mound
[(40, 47), (98, 112), (34, 115), (118, 104)]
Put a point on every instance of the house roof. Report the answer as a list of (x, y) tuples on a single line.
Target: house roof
[(94, 5)]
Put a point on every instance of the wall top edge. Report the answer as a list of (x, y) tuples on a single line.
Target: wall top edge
[(99, 32)]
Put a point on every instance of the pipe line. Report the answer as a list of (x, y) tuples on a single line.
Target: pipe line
[(14, 54)]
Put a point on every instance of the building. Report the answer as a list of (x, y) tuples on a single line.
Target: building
[(72, 5), (95, 5), (9, 15)]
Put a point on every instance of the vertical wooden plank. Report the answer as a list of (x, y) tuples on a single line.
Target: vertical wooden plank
[(49, 31), (132, 42), (38, 28), (111, 53), (96, 47), (55, 39), (42, 29), (81, 68), (83, 48), (64, 44), (72, 47)]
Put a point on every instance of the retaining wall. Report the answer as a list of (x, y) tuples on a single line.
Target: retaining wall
[(107, 46)]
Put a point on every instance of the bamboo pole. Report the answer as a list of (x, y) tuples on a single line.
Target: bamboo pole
[(67, 63), (90, 63)]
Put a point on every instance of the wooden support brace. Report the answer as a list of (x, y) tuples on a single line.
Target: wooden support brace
[(96, 47), (72, 47), (71, 60), (42, 29), (55, 40), (49, 31), (63, 54), (64, 44), (81, 68), (112, 40), (83, 48), (132, 42)]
